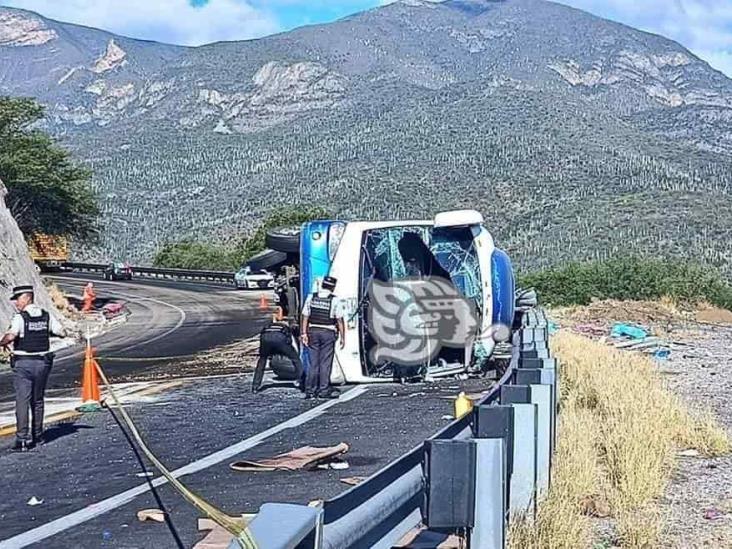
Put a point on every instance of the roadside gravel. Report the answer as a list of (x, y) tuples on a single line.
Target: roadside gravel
[(698, 501)]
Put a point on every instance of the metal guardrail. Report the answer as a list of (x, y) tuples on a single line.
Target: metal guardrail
[(155, 272), (506, 442)]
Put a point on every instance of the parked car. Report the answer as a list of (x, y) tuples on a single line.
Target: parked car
[(247, 279), (118, 271)]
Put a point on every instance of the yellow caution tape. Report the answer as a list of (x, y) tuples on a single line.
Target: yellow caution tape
[(240, 532)]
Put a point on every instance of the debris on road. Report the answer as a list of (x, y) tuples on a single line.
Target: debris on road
[(336, 465), (145, 474), (34, 501), (302, 458), (463, 405), (155, 515), (352, 481), (217, 537)]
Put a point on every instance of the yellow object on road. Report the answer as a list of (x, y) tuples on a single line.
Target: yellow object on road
[(463, 405)]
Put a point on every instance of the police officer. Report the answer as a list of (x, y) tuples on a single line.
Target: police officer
[(31, 361), (276, 339), (322, 323)]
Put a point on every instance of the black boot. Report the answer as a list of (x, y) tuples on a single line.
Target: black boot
[(331, 393), (21, 446)]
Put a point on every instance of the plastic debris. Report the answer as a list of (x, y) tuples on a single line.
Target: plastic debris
[(688, 453), (34, 501), (145, 474), (156, 515), (634, 332), (713, 514), (552, 327), (106, 535), (463, 405), (661, 354), (335, 465)]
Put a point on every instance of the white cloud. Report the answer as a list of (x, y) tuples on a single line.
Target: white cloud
[(702, 26), (171, 21)]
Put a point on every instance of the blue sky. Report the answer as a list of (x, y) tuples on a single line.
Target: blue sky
[(703, 26)]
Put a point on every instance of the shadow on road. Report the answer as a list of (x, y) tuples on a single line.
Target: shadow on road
[(61, 430)]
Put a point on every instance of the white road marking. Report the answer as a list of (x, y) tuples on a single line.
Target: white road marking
[(95, 509)]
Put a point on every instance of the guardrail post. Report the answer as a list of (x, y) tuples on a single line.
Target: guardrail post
[(496, 421), (541, 396), (544, 376), (522, 487), (489, 531), (450, 466), (285, 526)]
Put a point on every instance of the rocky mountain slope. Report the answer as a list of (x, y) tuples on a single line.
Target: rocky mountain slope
[(16, 266), (576, 136)]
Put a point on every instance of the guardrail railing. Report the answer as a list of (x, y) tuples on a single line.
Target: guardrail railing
[(156, 272), (472, 476)]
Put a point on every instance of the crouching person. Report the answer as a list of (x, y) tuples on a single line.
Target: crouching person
[(276, 339)]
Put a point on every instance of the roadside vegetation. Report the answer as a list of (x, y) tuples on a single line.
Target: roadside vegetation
[(48, 192), (630, 278), (192, 254), (619, 431)]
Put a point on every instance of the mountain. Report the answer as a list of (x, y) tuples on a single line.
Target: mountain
[(576, 136)]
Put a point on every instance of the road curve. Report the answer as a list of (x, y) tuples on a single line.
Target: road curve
[(167, 320)]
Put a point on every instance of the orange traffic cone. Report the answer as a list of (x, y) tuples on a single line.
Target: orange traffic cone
[(90, 396), (263, 302)]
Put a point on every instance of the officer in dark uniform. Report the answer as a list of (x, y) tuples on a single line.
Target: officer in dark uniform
[(322, 323), (30, 332), (276, 339)]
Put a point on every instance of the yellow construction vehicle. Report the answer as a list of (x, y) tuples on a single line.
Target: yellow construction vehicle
[(49, 252)]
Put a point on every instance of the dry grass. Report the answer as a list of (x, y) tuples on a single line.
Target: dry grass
[(620, 429), (575, 477)]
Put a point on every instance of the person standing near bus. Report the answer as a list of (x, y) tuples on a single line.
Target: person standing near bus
[(322, 325)]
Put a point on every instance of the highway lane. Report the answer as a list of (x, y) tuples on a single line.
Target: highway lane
[(168, 319)]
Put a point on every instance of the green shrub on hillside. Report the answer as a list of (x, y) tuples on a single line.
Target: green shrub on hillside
[(191, 254), (630, 278)]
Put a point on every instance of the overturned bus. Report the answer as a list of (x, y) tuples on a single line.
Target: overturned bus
[(420, 299)]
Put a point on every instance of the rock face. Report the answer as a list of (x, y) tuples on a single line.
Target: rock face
[(113, 57), (16, 265), (18, 29)]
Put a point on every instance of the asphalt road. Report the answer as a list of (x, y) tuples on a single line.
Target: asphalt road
[(168, 320), (87, 475)]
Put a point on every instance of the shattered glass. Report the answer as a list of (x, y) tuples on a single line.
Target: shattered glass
[(418, 251)]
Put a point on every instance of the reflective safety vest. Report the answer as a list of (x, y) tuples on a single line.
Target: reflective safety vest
[(320, 311), (36, 333)]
